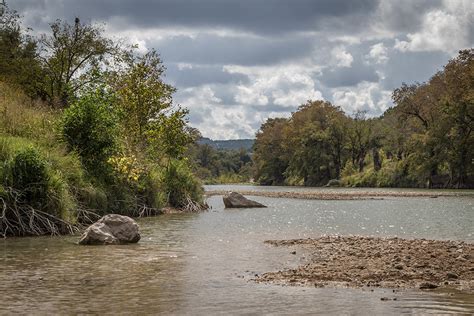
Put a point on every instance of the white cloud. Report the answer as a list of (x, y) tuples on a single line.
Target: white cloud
[(378, 53), (251, 96), (341, 58), (447, 29), (287, 86), (366, 96), (296, 97)]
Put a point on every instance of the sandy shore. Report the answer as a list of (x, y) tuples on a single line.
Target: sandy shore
[(338, 195), (377, 262)]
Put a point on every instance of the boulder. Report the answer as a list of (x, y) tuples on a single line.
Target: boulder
[(237, 200), (112, 229)]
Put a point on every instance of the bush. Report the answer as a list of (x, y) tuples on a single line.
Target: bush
[(89, 127), (36, 196), (30, 177), (180, 185)]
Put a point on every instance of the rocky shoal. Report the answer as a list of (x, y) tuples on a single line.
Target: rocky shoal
[(355, 261)]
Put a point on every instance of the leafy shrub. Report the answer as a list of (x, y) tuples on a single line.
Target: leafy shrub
[(37, 197), (89, 127), (180, 185), (30, 176)]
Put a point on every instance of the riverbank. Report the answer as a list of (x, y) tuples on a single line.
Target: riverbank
[(335, 261), (340, 194)]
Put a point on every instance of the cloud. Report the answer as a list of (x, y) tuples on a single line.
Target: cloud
[(341, 58), (447, 29), (366, 96), (378, 53), (185, 75), (255, 16), (287, 86)]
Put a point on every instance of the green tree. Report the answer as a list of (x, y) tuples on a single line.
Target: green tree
[(149, 118), (72, 58), (18, 54), (458, 108), (269, 157)]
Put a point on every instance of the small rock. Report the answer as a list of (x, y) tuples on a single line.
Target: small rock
[(428, 286), (293, 252), (452, 275)]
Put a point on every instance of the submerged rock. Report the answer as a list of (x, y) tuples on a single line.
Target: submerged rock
[(111, 229), (237, 200)]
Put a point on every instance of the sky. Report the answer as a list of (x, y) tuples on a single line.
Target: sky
[(236, 63)]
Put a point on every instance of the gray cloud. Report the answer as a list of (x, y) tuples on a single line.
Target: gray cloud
[(257, 16), (412, 67), (211, 49), (196, 75)]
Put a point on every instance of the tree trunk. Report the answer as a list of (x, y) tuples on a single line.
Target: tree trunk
[(377, 161)]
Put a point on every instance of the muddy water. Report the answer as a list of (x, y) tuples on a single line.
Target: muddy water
[(202, 263)]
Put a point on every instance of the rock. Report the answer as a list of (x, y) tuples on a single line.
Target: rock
[(237, 200), (452, 275), (111, 229), (428, 285), (334, 183)]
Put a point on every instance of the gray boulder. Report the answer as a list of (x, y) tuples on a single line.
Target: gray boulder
[(112, 229), (237, 200)]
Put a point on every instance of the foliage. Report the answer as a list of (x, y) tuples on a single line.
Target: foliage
[(107, 139), (270, 140), (221, 166), (36, 194), (71, 58), (23, 117), (180, 185), (18, 54), (89, 127)]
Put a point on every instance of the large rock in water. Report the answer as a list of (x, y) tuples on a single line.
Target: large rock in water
[(237, 200), (111, 229)]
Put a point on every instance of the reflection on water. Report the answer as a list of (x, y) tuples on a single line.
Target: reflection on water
[(202, 263)]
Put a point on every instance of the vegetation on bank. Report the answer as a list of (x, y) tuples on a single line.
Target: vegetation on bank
[(88, 127), (221, 166), (425, 140)]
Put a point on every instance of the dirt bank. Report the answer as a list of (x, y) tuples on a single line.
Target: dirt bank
[(338, 195), (381, 262)]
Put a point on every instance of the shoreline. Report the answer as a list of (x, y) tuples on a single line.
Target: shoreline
[(349, 195), (357, 262)]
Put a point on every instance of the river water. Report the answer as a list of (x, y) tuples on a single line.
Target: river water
[(202, 264)]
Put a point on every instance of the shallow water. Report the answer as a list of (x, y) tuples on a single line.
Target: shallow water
[(203, 263)]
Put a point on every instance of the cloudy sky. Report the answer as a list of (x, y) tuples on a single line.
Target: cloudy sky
[(237, 62)]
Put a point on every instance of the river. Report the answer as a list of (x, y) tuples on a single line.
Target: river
[(201, 264)]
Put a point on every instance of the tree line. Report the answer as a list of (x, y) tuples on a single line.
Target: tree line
[(424, 140)]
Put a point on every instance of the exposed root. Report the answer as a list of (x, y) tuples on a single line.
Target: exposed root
[(20, 219), (146, 211), (194, 207)]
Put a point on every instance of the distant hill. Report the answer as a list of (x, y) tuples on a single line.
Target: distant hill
[(229, 144)]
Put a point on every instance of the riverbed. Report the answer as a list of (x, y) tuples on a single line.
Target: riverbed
[(201, 264)]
